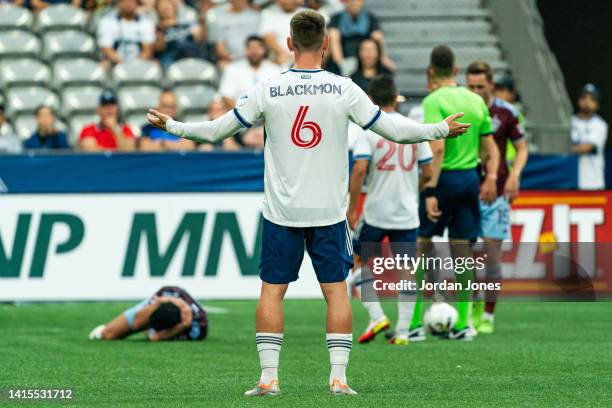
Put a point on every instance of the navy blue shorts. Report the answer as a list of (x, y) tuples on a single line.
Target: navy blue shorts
[(401, 241), (329, 247), (458, 198)]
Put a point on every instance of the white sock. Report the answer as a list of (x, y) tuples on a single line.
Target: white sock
[(374, 310), (405, 309), (339, 346), (269, 346)]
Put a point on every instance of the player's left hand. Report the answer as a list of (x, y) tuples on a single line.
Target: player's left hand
[(488, 190), (456, 128), (350, 218), (157, 119), (512, 186)]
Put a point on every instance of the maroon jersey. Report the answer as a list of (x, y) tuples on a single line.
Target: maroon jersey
[(505, 127), (199, 324)]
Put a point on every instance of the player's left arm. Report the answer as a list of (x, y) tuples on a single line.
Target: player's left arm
[(516, 135), (490, 152), (398, 128), (511, 189)]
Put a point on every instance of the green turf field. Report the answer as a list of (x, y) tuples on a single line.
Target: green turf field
[(544, 354)]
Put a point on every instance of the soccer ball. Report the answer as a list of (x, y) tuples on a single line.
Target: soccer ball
[(440, 318)]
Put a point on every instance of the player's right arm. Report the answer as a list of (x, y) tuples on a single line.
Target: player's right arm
[(246, 111), (397, 128)]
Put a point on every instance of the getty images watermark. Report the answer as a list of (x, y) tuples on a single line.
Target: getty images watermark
[(408, 265), (545, 270)]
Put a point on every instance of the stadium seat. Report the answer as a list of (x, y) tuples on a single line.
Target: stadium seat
[(78, 71), (60, 16), (67, 43), (25, 125), (18, 44), (138, 99), (191, 71), (82, 99), (24, 71), (136, 72), (136, 121), (76, 124), (28, 98), (417, 57), (194, 98), (12, 17)]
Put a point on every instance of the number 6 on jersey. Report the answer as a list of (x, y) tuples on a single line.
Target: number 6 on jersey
[(299, 124)]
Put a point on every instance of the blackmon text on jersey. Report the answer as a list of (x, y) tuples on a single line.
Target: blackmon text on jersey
[(319, 89)]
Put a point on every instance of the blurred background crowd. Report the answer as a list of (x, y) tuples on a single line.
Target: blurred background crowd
[(80, 74)]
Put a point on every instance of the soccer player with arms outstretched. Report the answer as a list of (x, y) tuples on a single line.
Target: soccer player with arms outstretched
[(391, 207), (306, 111), (495, 216)]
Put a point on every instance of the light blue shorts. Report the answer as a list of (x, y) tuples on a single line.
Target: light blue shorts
[(495, 219), (130, 314)]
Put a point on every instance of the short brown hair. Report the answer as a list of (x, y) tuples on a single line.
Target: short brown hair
[(307, 30), (442, 61), (480, 67)]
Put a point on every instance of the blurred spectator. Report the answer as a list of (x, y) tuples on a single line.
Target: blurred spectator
[(589, 136), (176, 39), (9, 141), (348, 28), (369, 63), (241, 75), (327, 8), (230, 25), (108, 133), (215, 110), (46, 135), (155, 139), (125, 36), (38, 5), (274, 27)]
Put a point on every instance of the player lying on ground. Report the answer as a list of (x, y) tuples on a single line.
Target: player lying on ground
[(451, 198), (306, 111), (495, 216), (170, 314), (391, 207)]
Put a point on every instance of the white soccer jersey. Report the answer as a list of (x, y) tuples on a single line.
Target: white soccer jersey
[(306, 115), (591, 171), (393, 180)]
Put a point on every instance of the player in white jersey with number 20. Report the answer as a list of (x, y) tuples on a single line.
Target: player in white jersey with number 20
[(395, 173), (306, 111)]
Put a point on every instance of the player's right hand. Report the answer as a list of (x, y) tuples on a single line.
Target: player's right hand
[(456, 128), (157, 119), (431, 205)]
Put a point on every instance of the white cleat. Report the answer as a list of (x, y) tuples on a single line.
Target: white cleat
[(264, 390), (96, 334), (337, 388)]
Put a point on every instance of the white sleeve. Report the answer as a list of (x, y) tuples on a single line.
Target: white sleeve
[(598, 136), (363, 148), (249, 107), (208, 131), (148, 31), (361, 109), (106, 33), (424, 154), (400, 129)]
